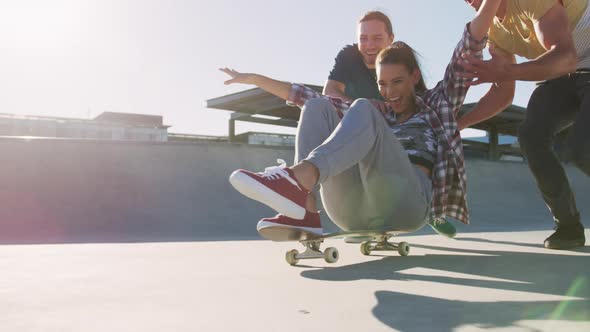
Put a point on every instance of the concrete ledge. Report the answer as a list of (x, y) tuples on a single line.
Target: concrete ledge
[(63, 191)]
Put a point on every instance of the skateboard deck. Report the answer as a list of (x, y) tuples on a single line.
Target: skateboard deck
[(371, 241)]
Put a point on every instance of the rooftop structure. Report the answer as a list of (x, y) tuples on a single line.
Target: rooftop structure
[(258, 106), (106, 126)]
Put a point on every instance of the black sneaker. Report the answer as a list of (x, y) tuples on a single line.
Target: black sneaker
[(566, 237)]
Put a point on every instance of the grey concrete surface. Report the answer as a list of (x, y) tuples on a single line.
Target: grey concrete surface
[(68, 191), (479, 282), (63, 191), (102, 236)]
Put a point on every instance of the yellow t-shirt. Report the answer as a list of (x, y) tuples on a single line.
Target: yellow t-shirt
[(516, 33)]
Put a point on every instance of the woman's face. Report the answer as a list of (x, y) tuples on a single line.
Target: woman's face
[(397, 85)]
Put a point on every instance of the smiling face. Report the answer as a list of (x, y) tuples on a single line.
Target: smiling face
[(372, 38), (397, 86)]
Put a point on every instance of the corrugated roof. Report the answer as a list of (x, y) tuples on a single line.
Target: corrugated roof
[(258, 101)]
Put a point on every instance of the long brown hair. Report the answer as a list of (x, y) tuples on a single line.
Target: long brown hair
[(401, 53)]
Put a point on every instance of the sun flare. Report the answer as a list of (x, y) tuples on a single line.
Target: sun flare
[(39, 25)]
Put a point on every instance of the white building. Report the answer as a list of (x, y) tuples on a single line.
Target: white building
[(106, 126)]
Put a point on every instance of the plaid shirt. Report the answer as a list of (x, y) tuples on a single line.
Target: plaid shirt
[(440, 106)]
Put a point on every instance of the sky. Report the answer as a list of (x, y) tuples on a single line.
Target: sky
[(79, 58)]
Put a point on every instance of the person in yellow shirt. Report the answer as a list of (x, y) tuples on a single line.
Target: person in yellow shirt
[(554, 35)]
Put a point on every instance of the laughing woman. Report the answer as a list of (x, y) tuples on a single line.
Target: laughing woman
[(376, 171)]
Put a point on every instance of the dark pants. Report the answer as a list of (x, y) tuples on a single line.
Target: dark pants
[(555, 105)]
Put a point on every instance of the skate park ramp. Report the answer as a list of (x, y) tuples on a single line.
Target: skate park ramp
[(63, 191), (124, 236)]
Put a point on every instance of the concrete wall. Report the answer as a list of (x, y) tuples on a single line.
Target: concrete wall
[(60, 191), (504, 196)]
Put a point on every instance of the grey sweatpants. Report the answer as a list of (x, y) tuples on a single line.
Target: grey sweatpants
[(367, 181)]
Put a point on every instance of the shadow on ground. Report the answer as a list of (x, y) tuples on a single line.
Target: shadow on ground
[(555, 273)]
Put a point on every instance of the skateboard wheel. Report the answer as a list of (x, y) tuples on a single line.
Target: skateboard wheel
[(331, 255), (366, 248), (291, 257), (403, 248)]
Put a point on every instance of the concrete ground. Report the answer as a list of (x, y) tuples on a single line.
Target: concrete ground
[(477, 282), (126, 236)]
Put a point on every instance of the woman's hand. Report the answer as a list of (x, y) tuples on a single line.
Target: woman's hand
[(277, 88), (237, 77)]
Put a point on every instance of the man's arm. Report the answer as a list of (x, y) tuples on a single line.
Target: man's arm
[(561, 58), (498, 97), (552, 30), (336, 89), (335, 86)]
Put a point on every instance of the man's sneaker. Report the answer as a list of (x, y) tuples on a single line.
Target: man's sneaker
[(443, 227), (275, 187), (283, 228), (566, 237)]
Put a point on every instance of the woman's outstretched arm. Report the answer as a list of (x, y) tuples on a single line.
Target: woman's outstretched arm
[(277, 88), (481, 23), (294, 94)]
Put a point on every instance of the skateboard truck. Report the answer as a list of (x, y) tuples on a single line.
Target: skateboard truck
[(381, 243), (330, 255), (312, 242), (312, 251)]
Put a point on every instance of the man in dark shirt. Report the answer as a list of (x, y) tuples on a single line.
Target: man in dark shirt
[(354, 76)]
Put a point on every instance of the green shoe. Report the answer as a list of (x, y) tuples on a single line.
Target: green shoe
[(443, 227)]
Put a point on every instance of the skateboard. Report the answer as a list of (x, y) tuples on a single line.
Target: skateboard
[(372, 241)]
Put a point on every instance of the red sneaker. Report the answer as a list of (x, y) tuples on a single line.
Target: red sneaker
[(275, 187), (283, 228)]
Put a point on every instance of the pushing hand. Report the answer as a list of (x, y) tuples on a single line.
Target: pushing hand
[(484, 71)]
